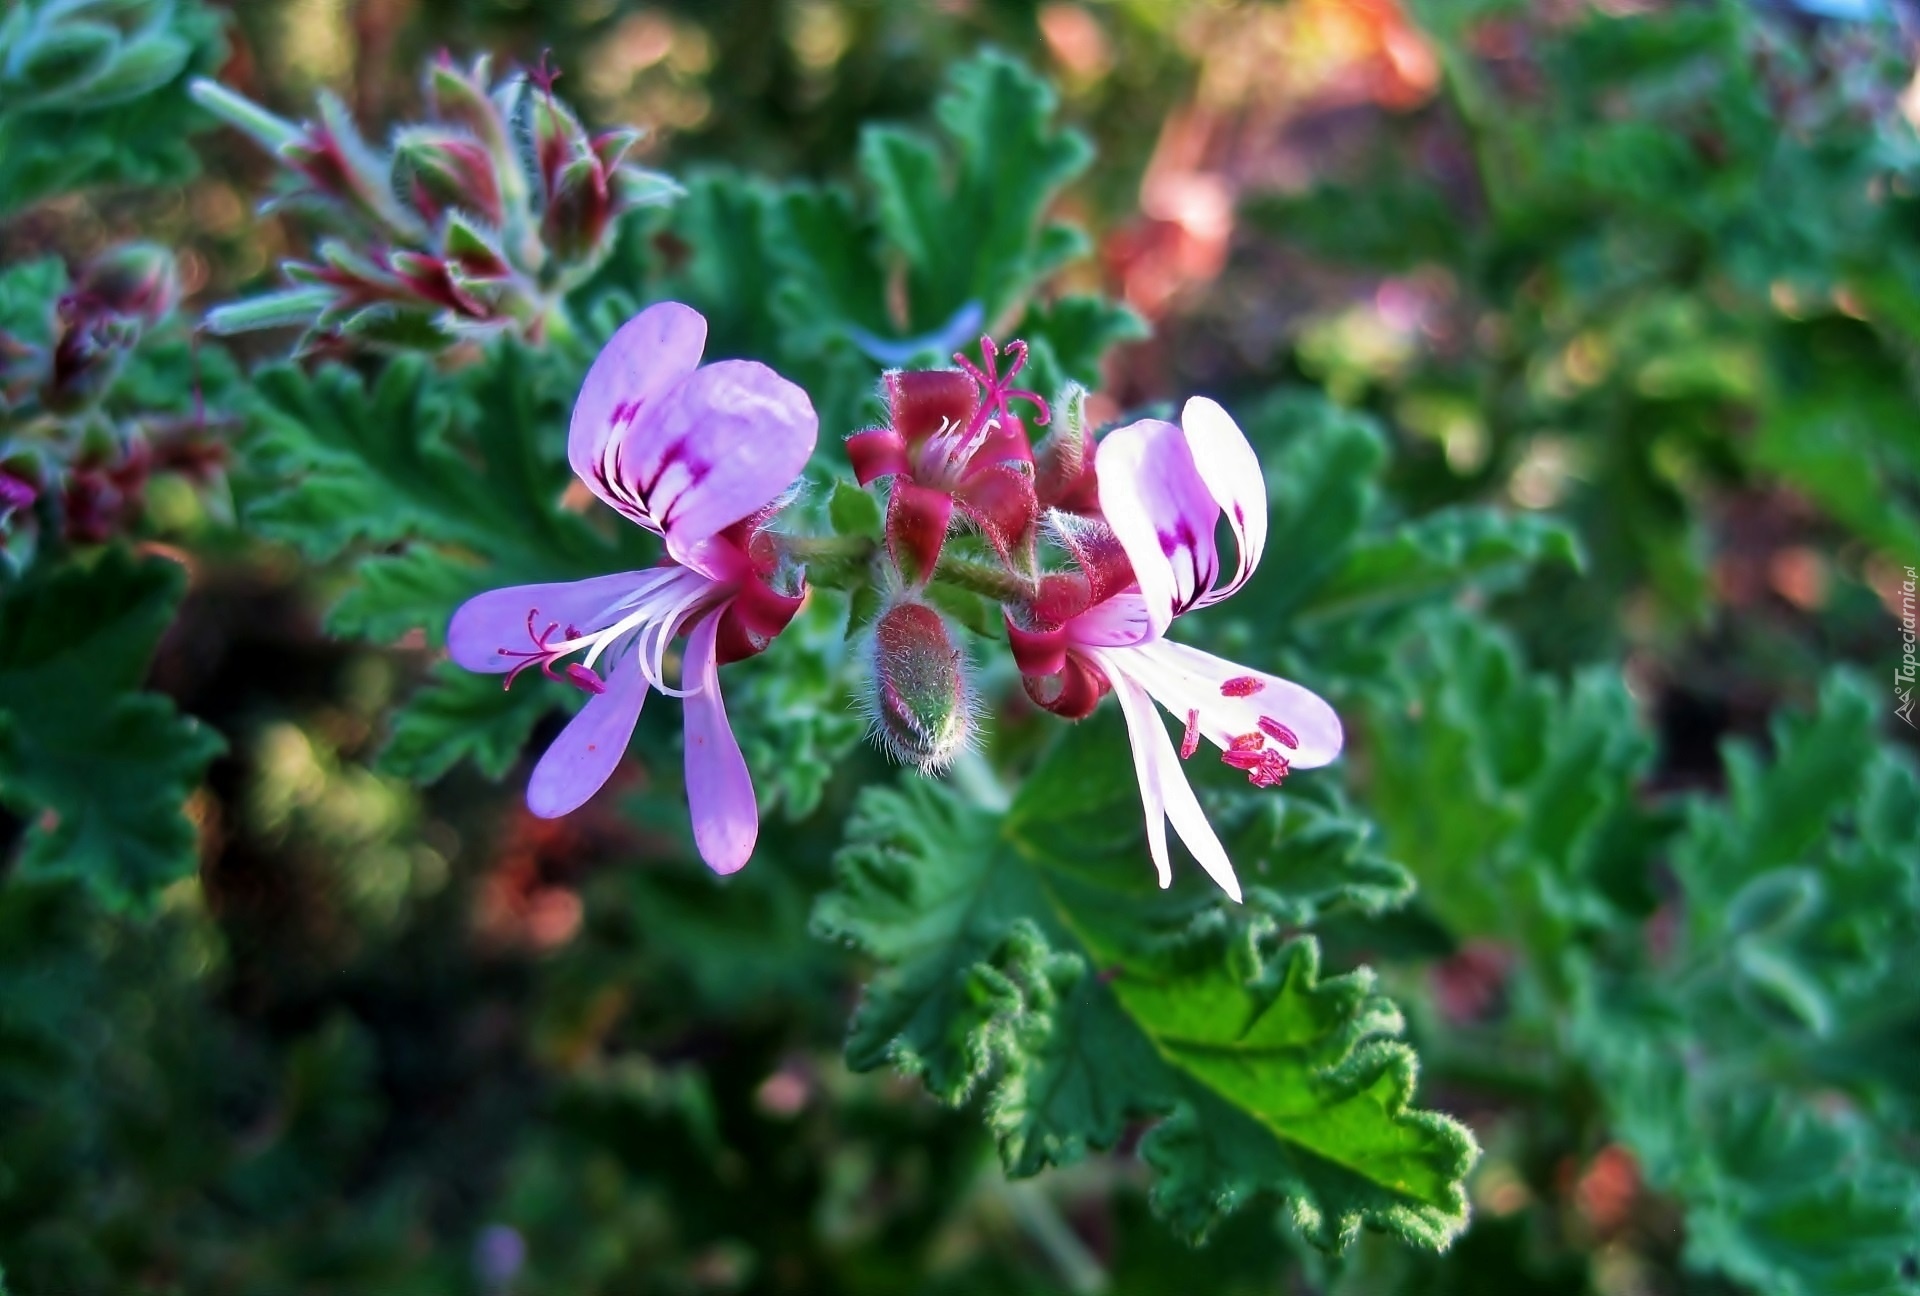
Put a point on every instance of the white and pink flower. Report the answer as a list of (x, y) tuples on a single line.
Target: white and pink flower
[(701, 455), (1163, 490)]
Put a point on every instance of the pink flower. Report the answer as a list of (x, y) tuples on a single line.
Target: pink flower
[(701, 456), (953, 440), (1163, 490)]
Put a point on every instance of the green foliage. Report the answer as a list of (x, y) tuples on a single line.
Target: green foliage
[(966, 224), (794, 275), (430, 493), (1651, 258), (1752, 1063), (101, 769), (1615, 452), (1028, 952), (95, 93)]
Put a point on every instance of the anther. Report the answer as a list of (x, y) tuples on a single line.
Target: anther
[(1279, 733), (585, 680), (1190, 741), (1241, 686)]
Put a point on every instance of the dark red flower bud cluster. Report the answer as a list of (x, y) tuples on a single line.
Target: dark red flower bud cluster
[(74, 456), (478, 219)]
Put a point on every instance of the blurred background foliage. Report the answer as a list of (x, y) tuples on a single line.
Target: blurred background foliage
[(1579, 343)]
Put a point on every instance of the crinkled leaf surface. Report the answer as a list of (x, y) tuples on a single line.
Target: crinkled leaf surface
[(101, 770), (125, 124), (1029, 953)]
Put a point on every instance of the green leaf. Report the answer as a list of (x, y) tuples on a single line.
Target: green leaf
[(1322, 464), (1029, 953), (28, 292), (102, 770), (970, 229), (454, 487), (101, 109), (1070, 335), (1502, 791), (1808, 874), (1438, 553), (458, 716), (853, 512)]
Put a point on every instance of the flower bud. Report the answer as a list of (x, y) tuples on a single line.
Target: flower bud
[(546, 135), (459, 97), (340, 167), (86, 356), (922, 706), (1064, 460), (578, 211), (138, 280), (105, 487), (435, 170), (19, 486)]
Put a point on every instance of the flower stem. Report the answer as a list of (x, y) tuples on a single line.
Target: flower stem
[(994, 582)]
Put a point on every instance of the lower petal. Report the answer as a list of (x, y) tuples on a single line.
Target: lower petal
[(726, 820), (1156, 761), (583, 757), (490, 628), (1141, 719), (1120, 622), (1233, 700)]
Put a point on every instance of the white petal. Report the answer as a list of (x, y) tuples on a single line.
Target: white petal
[(1137, 708), (1120, 622), (584, 756), (1163, 786), (1227, 464), (1233, 700), (1163, 514)]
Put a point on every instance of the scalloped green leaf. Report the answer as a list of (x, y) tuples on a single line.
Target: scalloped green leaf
[(102, 770), (1028, 953)]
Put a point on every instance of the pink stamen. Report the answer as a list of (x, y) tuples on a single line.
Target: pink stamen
[(542, 655), (544, 74), (1278, 732), (1264, 768), (1241, 686), (582, 678), (1190, 741), (1000, 393)]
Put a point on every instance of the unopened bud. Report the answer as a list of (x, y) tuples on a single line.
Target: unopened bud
[(342, 168), (139, 280), (1064, 459), (86, 357), (437, 170), (922, 706), (578, 211), (19, 486), (547, 137), (460, 97)]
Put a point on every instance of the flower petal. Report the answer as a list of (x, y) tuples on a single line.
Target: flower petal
[(1171, 797), (726, 820), (584, 756), (718, 448), (490, 628), (1163, 514), (1120, 622), (1227, 464), (646, 358), (1137, 709), (1233, 700)]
